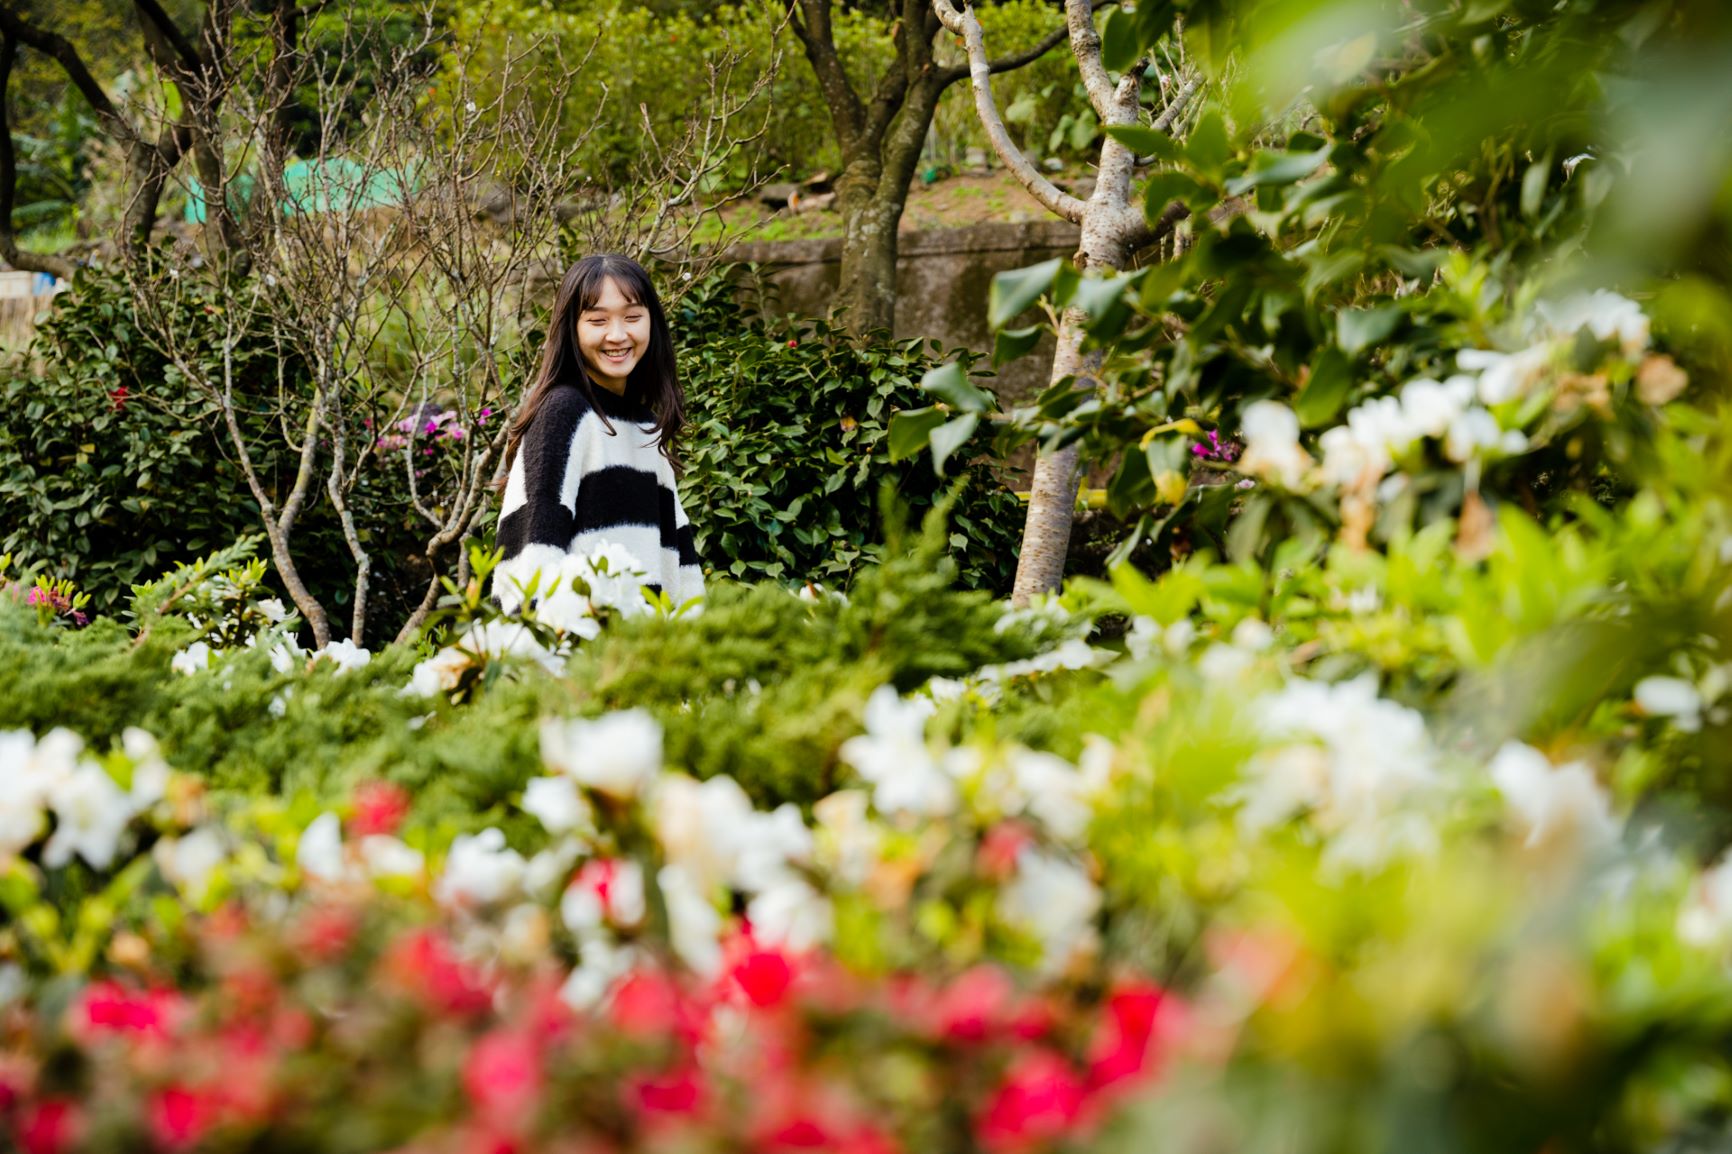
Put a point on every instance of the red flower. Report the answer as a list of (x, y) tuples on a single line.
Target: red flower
[(1121, 1048), (424, 965), (179, 1117), (118, 397), (503, 1075), (1040, 1100), (793, 344), (648, 1004), (107, 1007), (970, 1008), (49, 1127), (324, 932), (380, 807), (678, 1093), (763, 975)]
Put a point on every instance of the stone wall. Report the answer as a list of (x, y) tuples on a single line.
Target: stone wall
[(942, 277)]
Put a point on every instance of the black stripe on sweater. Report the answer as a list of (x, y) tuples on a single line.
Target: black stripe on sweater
[(621, 495), (545, 453)]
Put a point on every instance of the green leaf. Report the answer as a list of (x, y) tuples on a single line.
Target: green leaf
[(1358, 329), (1209, 146), (1146, 141), (1016, 290), (910, 431), (950, 384), (1276, 168), (1009, 344), (949, 437), (1162, 188), (1120, 43), (1534, 182), (1325, 389)]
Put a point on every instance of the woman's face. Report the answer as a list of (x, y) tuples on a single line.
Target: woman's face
[(613, 335)]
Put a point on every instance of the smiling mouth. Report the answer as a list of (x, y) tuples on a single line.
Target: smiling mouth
[(616, 354)]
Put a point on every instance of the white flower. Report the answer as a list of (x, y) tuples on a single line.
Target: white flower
[(191, 659), (847, 838), (605, 891), (188, 862), (1561, 802), (693, 923), (1058, 795), (618, 754), (90, 814), (550, 868), (556, 804), (479, 870), (440, 673), (892, 755), (1358, 765), (1605, 314), (388, 857), (29, 771), (1505, 376), (703, 826), (1053, 899), (792, 914), (344, 654), (772, 842), (601, 964), (320, 852), (1271, 432), (273, 610), (13, 984), (1429, 407), (1671, 697), (150, 773), (1705, 919)]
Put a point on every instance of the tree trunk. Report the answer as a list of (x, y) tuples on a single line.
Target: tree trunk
[(866, 294)]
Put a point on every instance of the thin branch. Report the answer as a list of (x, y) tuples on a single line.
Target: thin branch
[(9, 251), (950, 75), (965, 24)]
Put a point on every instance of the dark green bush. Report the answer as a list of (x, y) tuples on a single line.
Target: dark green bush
[(788, 447), (763, 685)]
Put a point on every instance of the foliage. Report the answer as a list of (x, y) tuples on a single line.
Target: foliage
[(788, 448), (111, 469)]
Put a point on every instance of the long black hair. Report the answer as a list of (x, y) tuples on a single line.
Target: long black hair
[(655, 380)]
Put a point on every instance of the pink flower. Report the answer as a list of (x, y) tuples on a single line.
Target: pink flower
[(1040, 1101), (50, 1127), (179, 1117), (973, 1006), (380, 807), (649, 1004), (996, 857), (678, 1093), (423, 964), (107, 1007), (764, 976), (502, 1075), (1121, 1048)]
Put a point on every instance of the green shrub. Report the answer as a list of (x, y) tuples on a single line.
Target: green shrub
[(788, 448)]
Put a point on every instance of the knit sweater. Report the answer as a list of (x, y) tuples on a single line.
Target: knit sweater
[(574, 485)]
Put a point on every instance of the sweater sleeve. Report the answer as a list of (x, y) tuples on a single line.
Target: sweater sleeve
[(537, 518)]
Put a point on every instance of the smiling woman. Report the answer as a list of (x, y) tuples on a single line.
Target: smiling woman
[(590, 459)]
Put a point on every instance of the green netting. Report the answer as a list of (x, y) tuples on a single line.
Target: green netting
[(334, 185)]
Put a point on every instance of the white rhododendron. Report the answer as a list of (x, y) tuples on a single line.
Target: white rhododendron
[(557, 805), (479, 870), (893, 756), (320, 851), (618, 754), (188, 862), (1358, 766), (1607, 315), (385, 856), (1553, 802), (1053, 899), (1671, 697), (344, 654), (192, 659), (694, 924), (1271, 432)]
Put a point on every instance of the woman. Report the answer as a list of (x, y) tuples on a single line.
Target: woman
[(590, 457)]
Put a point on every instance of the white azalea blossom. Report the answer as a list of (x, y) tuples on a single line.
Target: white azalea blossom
[(1503, 377), (893, 756), (1671, 697), (557, 805), (1553, 802), (320, 852), (601, 963), (548, 870), (1357, 765), (386, 856), (703, 826), (694, 925), (345, 655), (30, 770), (191, 660), (604, 891), (188, 862), (1606, 314), (1054, 899), (273, 610), (618, 754), (1271, 432), (90, 814), (1056, 793), (480, 870), (847, 839), (1705, 919), (792, 914)]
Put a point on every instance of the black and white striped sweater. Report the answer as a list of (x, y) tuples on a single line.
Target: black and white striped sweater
[(574, 485)]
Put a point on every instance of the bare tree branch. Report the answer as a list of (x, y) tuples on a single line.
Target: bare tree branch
[(9, 251), (964, 23)]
